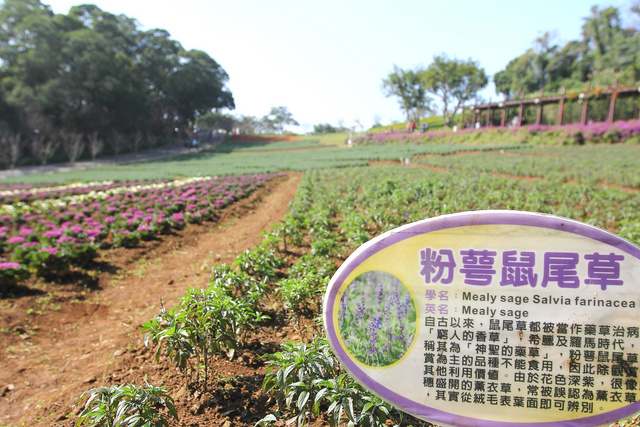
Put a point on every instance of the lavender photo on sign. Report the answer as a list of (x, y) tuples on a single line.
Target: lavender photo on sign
[(377, 318)]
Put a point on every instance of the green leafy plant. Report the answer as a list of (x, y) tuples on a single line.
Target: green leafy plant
[(261, 262), (307, 380), (207, 323), (126, 405)]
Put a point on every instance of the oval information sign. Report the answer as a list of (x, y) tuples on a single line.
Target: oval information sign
[(493, 318)]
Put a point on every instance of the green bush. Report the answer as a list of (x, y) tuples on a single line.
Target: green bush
[(126, 405)]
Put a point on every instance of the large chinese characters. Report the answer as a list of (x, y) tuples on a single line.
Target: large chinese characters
[(480, 267)]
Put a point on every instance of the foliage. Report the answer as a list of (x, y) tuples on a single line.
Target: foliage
[(454, 81), (126, 405), (303, 290), (606, 52), (207, 323), (12, 273), (572, 134), (260, 262), (306, 380), (91, 71), (409, 87), (277, 119)]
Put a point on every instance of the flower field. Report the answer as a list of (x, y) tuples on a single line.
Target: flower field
[(48, 231), (570, 134), (237, 340)]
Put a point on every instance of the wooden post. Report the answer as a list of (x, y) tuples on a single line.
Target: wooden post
[(612, 102), (489, 114), (521, 111), (585, 104), (503, 116), (539, 117), (473, 119), (561, 106)]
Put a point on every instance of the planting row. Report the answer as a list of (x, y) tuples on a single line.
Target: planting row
[(608, 133), (21, 193), (48, 237), (593, 164)]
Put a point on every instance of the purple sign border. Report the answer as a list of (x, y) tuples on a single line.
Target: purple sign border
[(465, 219)]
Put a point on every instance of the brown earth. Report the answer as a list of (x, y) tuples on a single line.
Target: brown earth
[(60, 340)]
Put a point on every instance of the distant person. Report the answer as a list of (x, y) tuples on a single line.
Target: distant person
[(413, 126), (478, 125), (425, 126)]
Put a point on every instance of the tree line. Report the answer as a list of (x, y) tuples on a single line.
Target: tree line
[(92, 79), (608, 51)]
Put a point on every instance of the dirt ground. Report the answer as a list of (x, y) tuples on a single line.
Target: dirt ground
[(59, 340)]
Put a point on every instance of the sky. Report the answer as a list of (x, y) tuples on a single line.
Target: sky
[(325, 60)]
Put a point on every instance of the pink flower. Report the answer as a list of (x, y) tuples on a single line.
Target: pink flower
[(109, 219), (53, 233), (92, 232), (51, 251), (7, 265), (24, 231), (15, 239)]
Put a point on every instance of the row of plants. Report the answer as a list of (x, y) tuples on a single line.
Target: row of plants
[(593, 164), (48, 237), (572, 134), (333, 213), (246, 163), (21, 193)]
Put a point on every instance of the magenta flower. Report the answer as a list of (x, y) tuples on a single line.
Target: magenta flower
[(91, 232), (109, 219), (53, 233), (24, 231), (7, 265), (15, 239), (51, 251)]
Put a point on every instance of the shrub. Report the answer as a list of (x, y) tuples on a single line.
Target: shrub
[(306, 379), (126, 405), (207, 323)]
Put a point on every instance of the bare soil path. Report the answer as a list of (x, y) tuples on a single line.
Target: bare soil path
[(64, 339)]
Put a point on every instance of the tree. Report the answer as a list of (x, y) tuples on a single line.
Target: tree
[(215, 120), (278, 118), (95, 144), (43, 147), (409, 87), (197, 86), (73, 145), (454, 81), (11, 146), (93, 71), (606, 52)]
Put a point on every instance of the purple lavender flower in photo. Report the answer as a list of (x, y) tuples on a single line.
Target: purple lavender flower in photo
[(377, 318)]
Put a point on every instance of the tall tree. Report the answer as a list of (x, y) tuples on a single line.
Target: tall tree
[(197, 85), (93, 71), (278, 118), (455, 82), (409, 87)]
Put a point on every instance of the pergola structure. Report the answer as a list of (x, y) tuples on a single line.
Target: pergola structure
[(613, 93)]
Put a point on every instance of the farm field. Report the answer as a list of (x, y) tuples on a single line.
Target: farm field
[(271, 245)]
